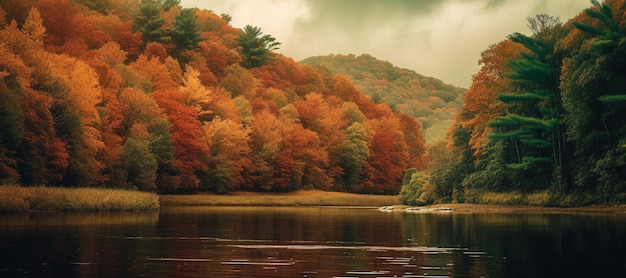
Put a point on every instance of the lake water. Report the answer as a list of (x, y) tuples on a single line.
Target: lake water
[(309, 242)]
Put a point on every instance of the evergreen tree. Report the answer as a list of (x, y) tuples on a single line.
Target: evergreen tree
[(597, 84), (594, 93), (184, 31), (100, 6), (168, 4), (533, 125), (256, 47), (148, 21)]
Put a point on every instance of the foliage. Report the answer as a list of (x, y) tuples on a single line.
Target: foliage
[(256, 47), (417, 191), (430, 101), (148, 21), (148, 95), (533, 124), (185, 31), (542, 113)]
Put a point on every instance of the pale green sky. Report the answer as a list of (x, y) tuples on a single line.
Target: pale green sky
[(438, 38)]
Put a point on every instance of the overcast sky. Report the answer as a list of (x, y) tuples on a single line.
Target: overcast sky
[(438, 38)]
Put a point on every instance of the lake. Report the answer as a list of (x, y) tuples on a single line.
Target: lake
[(310, 242)]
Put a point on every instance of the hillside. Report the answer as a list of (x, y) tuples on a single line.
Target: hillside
[(152, 96), (429, 100)]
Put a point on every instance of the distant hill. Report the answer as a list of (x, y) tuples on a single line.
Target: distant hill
[(431, 101)]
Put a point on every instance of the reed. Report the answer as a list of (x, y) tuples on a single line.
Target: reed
[(298, 198), (18, 198), (544, 198)]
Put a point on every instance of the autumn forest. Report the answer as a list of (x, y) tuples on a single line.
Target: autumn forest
[(148, 95)]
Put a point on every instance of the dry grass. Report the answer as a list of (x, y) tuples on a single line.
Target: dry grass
[(539, 198), (298, 198), (18, 198)]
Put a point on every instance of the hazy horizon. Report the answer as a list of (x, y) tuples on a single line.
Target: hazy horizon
[(437, 38)]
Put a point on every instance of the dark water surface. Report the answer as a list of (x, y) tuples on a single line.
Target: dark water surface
[(309, 242)]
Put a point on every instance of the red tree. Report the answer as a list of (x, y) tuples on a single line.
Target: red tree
[(185, 138)]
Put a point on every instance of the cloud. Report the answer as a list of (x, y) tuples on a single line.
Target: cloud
[(439, 38)]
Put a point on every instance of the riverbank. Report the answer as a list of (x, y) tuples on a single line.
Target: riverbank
[(18, 198), (15, 198), (297, 198)]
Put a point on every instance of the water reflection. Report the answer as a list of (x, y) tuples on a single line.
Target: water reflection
[(309, 242)]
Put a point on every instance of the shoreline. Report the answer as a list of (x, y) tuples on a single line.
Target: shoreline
[(342, 199), (511, 209), (17, 198)]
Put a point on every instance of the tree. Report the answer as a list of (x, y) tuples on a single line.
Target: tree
[(157, 71), (139, 163), (43, 158), (417, 189), (593, 88), (101, 6), (33, 27), (480, 103), (13, 75), (185, 31), (148, 21), (196, 94), (128, 40), (266, 136), (354, 155), (330, 123), (186, 135), (168, 4), (77, 98), (415, 141), (534, 122), (388, 157), (301, 162), (255, 47), (229, 155), (238, 81), (58, 17), (16, 10)]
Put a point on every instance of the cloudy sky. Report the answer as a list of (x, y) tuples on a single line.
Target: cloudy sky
[(438, 38)]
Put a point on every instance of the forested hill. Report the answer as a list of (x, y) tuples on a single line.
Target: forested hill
[(153, 96), (431, 101)]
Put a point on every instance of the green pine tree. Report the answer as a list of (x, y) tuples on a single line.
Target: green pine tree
[(185, 32), (594, 88), (533, 126), (256, 47), (148, 21)]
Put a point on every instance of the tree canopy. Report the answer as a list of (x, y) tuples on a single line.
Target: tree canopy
[(256, 47), (151, 96)]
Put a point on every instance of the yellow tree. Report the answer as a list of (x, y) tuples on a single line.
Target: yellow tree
[(229, 154), (196, 94)]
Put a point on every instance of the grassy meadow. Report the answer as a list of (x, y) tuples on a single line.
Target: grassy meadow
[(18, 198)]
